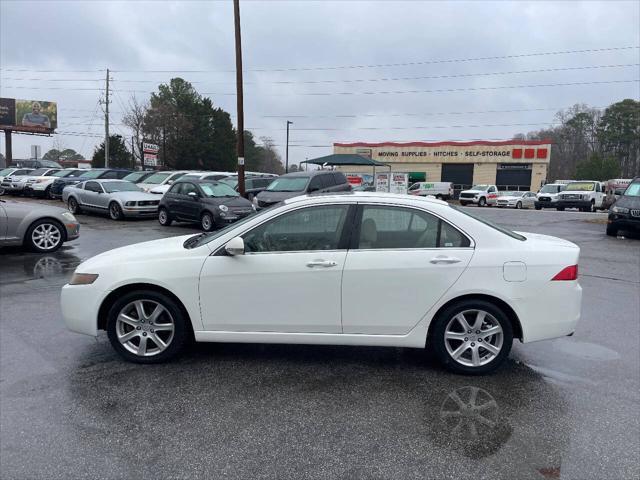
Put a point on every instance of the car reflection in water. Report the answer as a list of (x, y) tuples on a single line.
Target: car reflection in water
[(20, 266)]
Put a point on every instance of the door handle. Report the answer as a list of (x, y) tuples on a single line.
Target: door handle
[(444, 259), (321, 263)]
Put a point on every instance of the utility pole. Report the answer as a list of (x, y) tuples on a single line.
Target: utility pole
[(240, 146), (286, 163), (106, 124), (133, 154)]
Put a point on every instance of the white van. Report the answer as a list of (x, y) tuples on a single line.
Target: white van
[(440, 190)]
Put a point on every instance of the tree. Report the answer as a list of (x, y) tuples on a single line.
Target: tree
[(119, 156), (68, 154), (261, 158), (134, 119), (598, 167), (619, 133)]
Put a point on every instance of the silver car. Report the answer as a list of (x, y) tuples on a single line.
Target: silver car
[(38, 227), (118, 198), (516, 199)]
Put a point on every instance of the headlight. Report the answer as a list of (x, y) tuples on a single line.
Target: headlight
[(83, 278), (69, 216), (42, 180), (223, 208), (615, 209), (130, 204)]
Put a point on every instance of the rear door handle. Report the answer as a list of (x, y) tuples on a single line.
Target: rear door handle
[(444, 259), (321, 263)]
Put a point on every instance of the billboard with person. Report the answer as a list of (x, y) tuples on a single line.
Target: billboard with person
[(33, 116)]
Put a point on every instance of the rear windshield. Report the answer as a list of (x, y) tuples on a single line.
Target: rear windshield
[(580, 187), (506, 231)]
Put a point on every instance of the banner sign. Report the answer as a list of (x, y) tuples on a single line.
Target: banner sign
[(382, 182), (150, 154), (32, 116), (399, 183)]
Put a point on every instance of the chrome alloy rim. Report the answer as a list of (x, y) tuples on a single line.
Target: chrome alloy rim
[(206, 222), (115, 212), (163, 216), (473, 338), (46, 236), (145, 328)]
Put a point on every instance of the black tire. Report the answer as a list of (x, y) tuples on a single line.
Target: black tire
[(45, 236), (73, 206), (115, 212), (464, 204), (612, 231), (439, 197), (164, 218), (437, 339), (538, 207), (592, 207), (47, 193), (560, 209), (207, 223), (518, 205), (176, 343), (482, 202)]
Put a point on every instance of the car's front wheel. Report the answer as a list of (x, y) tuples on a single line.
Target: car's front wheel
[(164, 218), (115, 212), (464, 204), (147, 327), (472, 337), (45, 236), (206, 222), (73, 206), (482, 202), (519, 205)]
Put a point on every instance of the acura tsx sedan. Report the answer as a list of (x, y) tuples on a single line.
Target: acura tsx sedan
[(343, 269)]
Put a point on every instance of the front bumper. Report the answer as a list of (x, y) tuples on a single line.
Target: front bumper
[(73, 230), (80, 305), (624, 221), (12, 187), (573, 204), (546, 203), (140, 211)]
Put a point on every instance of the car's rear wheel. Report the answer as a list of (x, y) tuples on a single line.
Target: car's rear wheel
[(115, 212), (472, 337), (45, 236), (147, 327), (72, 205), (592, 207), (482, 202), (164, 218), (206, 222)]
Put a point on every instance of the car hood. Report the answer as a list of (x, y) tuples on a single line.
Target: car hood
[(473, 191), (138, 252), (149, 186), (134, 196), (160, 189), (274, 197), (231, 202), (628, 202)]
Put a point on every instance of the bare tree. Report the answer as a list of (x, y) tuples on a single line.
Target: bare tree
[(134, 118)]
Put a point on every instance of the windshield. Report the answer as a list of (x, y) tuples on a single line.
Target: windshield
[(506, 231), (480, 187), (633, 190), (111, 187), (549, 189), (218, 190), (65, 173), (92, 174), (288, 184), (6, 171), (157, 178), (580, 186), (38, 172), (135, 176), (232, 182)]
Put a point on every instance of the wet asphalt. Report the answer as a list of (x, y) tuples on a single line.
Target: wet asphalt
[(561, 409)]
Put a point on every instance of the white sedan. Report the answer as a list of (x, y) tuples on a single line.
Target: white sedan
[(358, 269), (516, 199)]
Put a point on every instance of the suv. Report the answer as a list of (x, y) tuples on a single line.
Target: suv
[(547, 196), (480, 195), (208, 202), (301, 183), (252, 185), (585, 195), (36, 164), (625, 212), (93, 174), (41, 186), (17, 184)]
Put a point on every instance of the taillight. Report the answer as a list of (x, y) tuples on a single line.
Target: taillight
[(567, 273)]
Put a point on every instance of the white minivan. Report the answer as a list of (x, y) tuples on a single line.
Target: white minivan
[(440, 190)]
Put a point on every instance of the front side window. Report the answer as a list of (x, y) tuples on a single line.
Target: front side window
[(188, 188), (306, 229), (93, 187), (315, 184), (384, 227)]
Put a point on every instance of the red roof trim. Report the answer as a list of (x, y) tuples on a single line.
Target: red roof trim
[(443, 144)]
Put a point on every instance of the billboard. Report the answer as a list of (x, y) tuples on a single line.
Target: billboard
[(33, 116)]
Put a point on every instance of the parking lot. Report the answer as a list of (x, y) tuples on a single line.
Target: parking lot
[(71, 408)]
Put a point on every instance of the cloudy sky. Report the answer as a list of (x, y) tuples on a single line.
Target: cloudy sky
[(341, 71)]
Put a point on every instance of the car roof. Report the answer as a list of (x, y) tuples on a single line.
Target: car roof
[(375, 196), (312, 173), (106, 180), (196, 180)]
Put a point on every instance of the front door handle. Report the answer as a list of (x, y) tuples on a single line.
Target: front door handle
[(444, 259), (321, 263)]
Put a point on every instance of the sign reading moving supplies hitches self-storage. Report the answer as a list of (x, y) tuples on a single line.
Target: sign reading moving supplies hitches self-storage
[(34, 116)]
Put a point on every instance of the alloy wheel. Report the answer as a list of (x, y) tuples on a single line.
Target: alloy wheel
[(46, 236), (145, 327), (73, 206), (473, 338), (114, 211), (207, 222)]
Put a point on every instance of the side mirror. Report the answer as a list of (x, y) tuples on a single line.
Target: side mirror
[(313, 189), (235, 246), (193, 195), (169, 182)]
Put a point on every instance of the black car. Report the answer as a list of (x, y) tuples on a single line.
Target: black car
[(625, 213), (208, 202), (301, 183), (252, 185), (94, 173)]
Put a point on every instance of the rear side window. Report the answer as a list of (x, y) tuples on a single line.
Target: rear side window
[(327, 180), (315, 184), (339, 178)]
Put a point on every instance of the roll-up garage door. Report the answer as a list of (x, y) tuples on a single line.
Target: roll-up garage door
[(513, 177), (460, 174)]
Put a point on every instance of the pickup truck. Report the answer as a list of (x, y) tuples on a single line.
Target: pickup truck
[(585, 195), (480, 195)]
